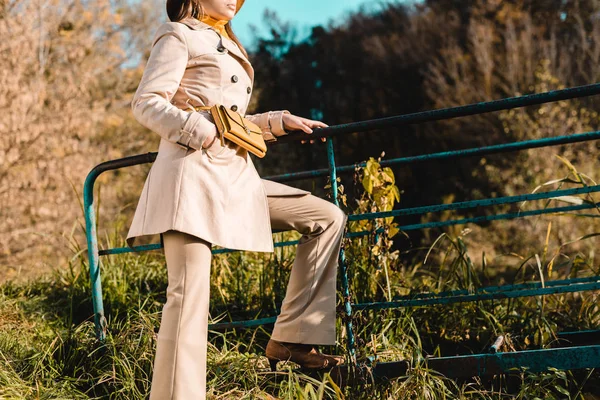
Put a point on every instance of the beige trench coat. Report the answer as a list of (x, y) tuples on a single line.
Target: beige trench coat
[(216, 193)]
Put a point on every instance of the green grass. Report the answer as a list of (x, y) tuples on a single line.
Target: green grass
[(48, 349)]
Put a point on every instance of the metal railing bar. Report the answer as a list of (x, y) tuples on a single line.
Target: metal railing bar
[(498, 217), (294, 176), (447, 113), (499, 148), (242, 324), (580, 287), (490, 289), (158, 246), (495, 289), (129, 161), (276, 244), (476, 203), (155, 246), (477, 151), (467, 366), (505, 147), (134, 249)]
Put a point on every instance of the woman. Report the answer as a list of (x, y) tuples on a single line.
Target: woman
[(199, 193)]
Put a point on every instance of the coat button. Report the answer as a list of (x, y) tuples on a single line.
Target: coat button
[(234, 78), (221, 49), (234, 107), (249, 89)]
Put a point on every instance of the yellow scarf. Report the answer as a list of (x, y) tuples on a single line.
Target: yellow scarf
[(218, 24)]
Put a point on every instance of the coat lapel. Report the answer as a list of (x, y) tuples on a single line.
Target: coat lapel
[(230, 45)]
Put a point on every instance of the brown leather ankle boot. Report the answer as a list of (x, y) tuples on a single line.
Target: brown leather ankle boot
[(306, 355)]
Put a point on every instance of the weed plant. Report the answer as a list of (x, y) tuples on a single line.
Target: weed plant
[(48, 348)]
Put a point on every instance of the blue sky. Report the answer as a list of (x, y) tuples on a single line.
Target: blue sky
[(303, 13)]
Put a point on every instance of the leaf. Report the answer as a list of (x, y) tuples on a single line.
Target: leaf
[(562, 390), (367, 183), (372, 166), (388, 175), (396, 193), (552, 182), (539, 265), (569, 199), (377, 196), (394, 229), (570, 166), (376, 181), (375, 250), (591, 235), (391, 197), (551, 267), (343, 198)]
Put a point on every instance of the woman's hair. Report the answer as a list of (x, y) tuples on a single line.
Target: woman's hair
[(180, 9)]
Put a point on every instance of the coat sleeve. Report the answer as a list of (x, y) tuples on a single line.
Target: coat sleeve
[(271, 124), (151, 104)]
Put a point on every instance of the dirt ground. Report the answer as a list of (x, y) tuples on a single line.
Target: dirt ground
[(23, 273), (22, 270)]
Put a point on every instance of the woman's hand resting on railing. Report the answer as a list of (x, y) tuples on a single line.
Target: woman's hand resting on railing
[(294, 122)]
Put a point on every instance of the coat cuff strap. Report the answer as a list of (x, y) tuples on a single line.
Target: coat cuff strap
[(195, 130), (275, 120)]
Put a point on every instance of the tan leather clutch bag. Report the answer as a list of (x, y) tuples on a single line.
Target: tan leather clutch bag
[(232, 126)]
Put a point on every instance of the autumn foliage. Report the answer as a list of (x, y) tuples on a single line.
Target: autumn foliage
[(69, 68)]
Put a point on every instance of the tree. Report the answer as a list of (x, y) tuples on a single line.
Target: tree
[(61, 84)]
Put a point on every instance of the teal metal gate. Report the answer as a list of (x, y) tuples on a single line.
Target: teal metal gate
[(494, 362)]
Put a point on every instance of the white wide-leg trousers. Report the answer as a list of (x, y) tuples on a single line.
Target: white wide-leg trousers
[(307, 312)]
